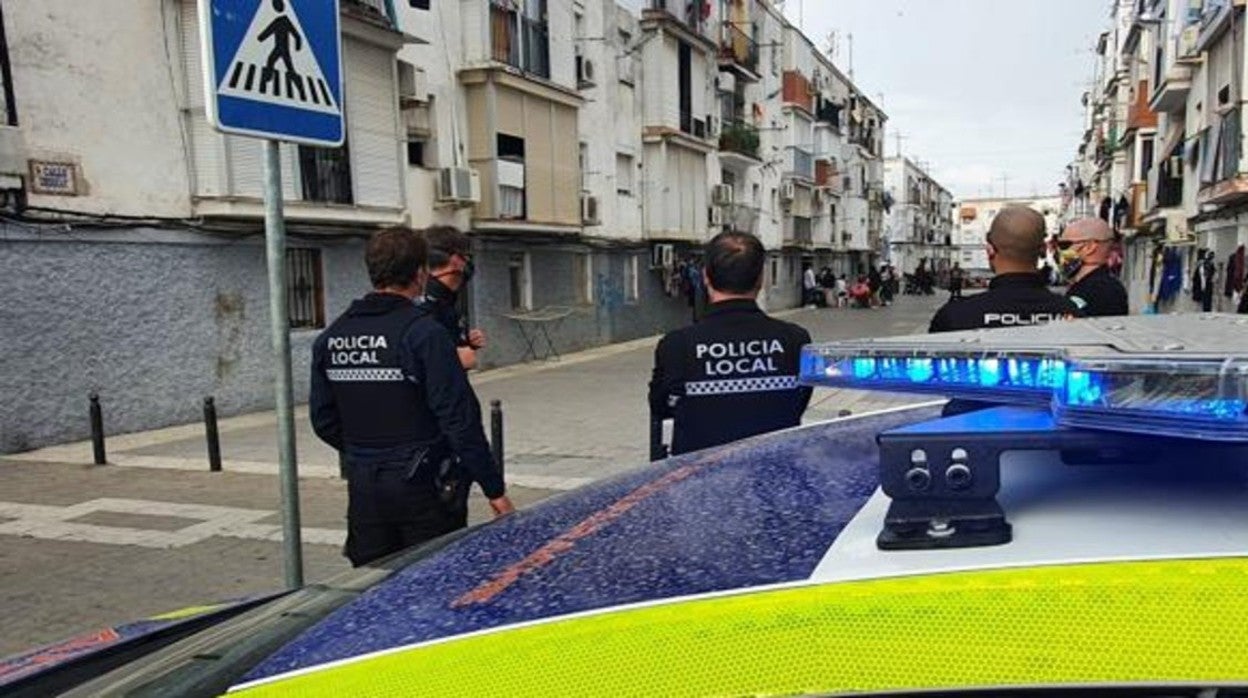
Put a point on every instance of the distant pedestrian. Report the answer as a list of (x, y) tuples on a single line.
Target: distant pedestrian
[(1017, 295), (842, 291), (733, 374), (886, 285), (389, 392), (451, 268), (1085, 246), (956, 279)]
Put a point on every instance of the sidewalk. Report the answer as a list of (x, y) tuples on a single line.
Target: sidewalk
[(567, 422)]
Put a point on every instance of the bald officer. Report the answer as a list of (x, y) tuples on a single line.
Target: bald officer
[(734, 373), (1086, 245), (1017, 296)]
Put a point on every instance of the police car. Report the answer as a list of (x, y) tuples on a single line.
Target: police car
[(1088, 534)]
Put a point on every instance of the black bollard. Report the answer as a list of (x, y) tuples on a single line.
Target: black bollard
[(658, 450), (97, 429), (496, 434), (210, 430), (845, 413)]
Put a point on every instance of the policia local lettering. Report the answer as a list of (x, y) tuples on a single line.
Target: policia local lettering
[(356, 350), (738, 358)]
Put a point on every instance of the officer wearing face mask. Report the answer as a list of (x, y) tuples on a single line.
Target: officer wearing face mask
[(1086, 245), (450, 270)]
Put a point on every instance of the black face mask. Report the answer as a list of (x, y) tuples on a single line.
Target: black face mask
[(439, 292)]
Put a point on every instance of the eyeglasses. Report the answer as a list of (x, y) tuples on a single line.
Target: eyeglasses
[(1067, 244)]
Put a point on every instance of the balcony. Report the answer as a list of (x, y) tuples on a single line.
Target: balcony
[(800, 163), (687, 17), (1171, 92), (828, 112), (738, 50), (742, 218), (518, 41), (826, 176), (796, 91), (1139, 115), (738, 144), (1164, 190), (1221, 180), (797, 231)]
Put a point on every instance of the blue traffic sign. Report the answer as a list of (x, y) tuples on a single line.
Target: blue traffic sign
[(273, 68)]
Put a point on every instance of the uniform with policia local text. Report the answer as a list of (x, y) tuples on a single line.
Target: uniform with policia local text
[(1012, 300), (389, 392), (732, 375)]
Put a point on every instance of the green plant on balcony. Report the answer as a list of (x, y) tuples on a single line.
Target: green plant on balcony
[(739, 138)]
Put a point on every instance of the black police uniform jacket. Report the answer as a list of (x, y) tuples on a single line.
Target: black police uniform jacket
[(386, 381), (730, 376), (1012, 300), (1099, 294)]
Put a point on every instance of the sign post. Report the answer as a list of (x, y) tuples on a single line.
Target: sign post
[(273, 70)]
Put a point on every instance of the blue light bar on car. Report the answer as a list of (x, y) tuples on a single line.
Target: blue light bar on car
[(1195, 398), (1018, 377)]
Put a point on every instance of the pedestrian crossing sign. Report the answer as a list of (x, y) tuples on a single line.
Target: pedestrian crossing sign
[(273, 69)]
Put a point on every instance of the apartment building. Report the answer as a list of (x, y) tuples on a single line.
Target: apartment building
[(919, 223), (589, 147), (132, 248), (1180, 155), (974, 217)]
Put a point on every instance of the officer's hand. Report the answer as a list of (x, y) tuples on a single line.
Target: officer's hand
[(467, 358), (502, 506), (476, 339)]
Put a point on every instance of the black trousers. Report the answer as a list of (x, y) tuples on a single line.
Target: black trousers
[(387, 513)]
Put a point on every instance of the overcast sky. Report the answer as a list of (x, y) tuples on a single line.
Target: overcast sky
[(978, 88)]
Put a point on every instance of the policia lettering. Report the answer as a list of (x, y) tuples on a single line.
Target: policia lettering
[(356, 350), (740, 358)]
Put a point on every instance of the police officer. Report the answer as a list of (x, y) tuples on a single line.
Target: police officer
[(734, 373), (388, 391), (450, 269), (1017, 295), (1086, 245)]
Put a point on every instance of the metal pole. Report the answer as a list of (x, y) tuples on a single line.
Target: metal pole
[(496, 434), (210, 432), (97, 429), (275, 251)]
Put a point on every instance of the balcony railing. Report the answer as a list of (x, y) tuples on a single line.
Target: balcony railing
[(739, 137), (738, 45), (742, 218), (686, 12)]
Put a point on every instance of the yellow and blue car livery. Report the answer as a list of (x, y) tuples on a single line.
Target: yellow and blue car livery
[(753, 570)]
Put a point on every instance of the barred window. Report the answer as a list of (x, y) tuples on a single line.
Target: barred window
[(305, 289)]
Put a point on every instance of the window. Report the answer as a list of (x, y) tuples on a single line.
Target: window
[(518, 281), (305, 289), (8, 108), (326, 174), (583, 277), (775, 272), (685, 82), (511, 177), (519, 35), (416, 153), (419, 4), (632, 279), (624, 174)]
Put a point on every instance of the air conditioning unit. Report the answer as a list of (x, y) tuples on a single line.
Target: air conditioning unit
[(459, 185), (722, 195), (716, 217), (586, 74), (662, 255), (788, 191), (413, 84), (727, 82), (589, 210)]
